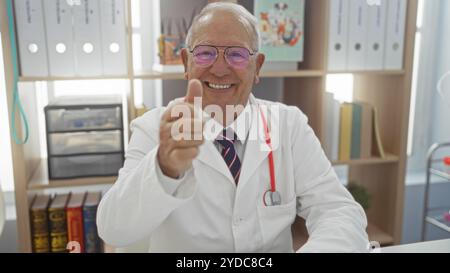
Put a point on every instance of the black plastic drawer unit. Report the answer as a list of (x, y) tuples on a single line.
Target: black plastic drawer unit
[(84, 137)]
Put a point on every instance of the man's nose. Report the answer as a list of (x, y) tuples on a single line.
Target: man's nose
[(220, 67)]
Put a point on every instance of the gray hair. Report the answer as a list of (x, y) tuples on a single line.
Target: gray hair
[(244, 16)]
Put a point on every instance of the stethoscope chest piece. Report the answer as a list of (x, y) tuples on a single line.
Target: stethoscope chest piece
[(272, 198)]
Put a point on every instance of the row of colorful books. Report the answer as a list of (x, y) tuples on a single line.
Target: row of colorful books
[(351, 130), (65, 222)]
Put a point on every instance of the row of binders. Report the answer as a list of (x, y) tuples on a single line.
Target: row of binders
[(71, 38), (366, 34), (351, 130), (65, 222)]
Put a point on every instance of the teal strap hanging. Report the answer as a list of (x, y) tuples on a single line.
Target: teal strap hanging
[(16, 99)]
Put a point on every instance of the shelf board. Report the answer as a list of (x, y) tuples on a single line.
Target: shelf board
[(376, 234), (154, 75), (292, 74), (41, 181), (390, 158), (264, 74), (71, 78), (370, 72)]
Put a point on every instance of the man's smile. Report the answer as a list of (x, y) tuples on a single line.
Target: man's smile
[(221, 87)]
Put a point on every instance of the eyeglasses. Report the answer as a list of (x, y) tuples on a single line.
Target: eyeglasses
[(236, 56)]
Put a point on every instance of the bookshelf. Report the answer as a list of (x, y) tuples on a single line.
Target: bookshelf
[(389, 91)]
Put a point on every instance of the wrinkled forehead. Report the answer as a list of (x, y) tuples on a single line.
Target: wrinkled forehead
[(221, 28)]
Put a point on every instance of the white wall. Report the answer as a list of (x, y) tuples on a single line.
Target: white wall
[(441, 113), (430, 111), (6, 174)]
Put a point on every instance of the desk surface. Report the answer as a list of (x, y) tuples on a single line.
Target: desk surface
[(441, 246)]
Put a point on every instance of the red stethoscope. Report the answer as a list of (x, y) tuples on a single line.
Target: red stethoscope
[(271, 197)]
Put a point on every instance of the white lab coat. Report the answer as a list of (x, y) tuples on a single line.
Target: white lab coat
[(206, 212)]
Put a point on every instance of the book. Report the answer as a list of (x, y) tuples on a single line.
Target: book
[(58, 223), (366, 129), (356, 131), (331, 130), (377, 145), (345, 133), (281, 25), (75, 220), (168, 68), (335, 130), (92, 242), (39, 224)]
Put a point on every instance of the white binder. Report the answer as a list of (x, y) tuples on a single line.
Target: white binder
[(376, 35), (357, 36), (31, 38), (338, 35), (88, 53), (114, 45), (395, 34), (58, 21)]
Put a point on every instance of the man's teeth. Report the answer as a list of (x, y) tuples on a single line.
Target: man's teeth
[(219, 86)]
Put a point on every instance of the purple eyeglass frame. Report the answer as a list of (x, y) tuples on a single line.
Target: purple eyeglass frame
[(225, 48)]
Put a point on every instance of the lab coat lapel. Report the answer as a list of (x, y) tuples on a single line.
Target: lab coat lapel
[(256, 150)]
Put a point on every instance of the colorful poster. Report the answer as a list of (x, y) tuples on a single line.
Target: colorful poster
[(281, 25)]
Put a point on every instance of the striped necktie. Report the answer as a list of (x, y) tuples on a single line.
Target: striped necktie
[(226, 140)]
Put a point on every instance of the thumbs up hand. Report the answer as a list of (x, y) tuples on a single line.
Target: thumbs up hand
[(195, 89), (180, 134)]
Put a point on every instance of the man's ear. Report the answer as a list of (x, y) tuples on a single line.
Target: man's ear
[(259, 63), (184, 58)]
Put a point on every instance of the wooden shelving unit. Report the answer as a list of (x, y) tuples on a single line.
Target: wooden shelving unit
[(389, 91), (174, 76), (374, 72)]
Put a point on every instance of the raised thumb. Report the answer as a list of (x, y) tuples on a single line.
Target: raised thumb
[(195, 89)]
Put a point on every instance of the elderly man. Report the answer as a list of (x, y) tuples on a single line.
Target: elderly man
[(192, 189)]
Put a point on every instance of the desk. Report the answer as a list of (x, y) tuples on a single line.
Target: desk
[(441, 246)]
